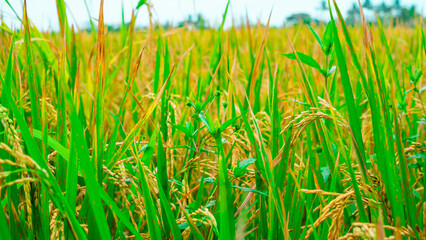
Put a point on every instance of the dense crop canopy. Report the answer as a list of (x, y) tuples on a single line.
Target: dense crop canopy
[(251, 132)]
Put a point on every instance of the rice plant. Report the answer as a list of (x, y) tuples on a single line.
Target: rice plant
[(247, 132)]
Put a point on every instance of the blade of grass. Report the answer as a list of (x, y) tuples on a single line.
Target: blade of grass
[(154, 228)]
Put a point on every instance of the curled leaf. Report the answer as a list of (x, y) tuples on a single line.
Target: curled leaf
[(140, 4)]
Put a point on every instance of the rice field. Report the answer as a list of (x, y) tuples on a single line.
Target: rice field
[(247, 132)]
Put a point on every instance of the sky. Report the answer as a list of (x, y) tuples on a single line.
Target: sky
[(44, 15)]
